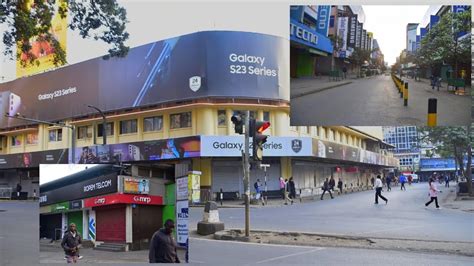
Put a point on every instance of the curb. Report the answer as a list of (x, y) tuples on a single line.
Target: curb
[(297, 95)]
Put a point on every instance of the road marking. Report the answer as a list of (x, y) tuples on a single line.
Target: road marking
[(290, 255), (250, 243)]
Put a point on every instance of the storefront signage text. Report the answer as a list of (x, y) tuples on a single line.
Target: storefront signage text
[(98, 185)]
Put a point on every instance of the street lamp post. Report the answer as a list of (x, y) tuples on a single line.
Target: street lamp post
[(72, 127), (104, 124)]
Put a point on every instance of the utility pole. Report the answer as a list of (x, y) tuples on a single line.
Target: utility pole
[(247, 174), (265, 166)]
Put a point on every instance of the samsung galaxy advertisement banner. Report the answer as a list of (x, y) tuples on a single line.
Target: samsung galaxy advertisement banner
[(343, 30), (199, 65), (231, 146), (33, 159)]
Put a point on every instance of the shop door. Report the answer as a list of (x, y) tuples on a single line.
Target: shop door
[(76, 218), (110, 225), (228, 176), (49, 224), (273, 176)]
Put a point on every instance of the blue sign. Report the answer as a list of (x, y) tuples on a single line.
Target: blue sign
[(418, 42), (322, 26), (423, 32), (307, 36), (310, 13), (460, 9), (296, 12), (441, 164), (433, 21)]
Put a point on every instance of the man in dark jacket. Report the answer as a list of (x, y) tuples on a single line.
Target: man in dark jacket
[(326, 188), (163, 246), (71, 243), (332, 183), (292, 188)]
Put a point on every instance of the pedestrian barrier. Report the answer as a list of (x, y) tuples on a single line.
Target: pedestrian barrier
[(432, 109), (5, 192), (405, 94), (335, 75)]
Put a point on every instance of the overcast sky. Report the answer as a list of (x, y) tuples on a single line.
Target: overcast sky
[(388, 23), (50, 172)]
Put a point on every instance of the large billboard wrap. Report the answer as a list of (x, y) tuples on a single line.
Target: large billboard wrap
[(352, 31), (198, 65)]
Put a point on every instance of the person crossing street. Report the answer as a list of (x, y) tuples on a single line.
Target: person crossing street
[(378, 190), (326, 188)]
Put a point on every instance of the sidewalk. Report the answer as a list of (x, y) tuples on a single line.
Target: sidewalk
[(304, 86), (452, 201), (443, 88)]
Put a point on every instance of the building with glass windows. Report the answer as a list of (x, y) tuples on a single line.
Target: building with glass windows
[(405, 140)]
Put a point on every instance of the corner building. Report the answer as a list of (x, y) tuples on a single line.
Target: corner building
[(168, 106)]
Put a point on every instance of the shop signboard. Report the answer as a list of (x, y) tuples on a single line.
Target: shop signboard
[(352, 31), (59, 207), (231, 146), (343, 31), (75, 204), (229, 64), (135, 185), (182, 221), (194, 185), (177, 148), (33, 159), (97, 186), (423, 32), (302, 34), (322, 25), (182, 188), (433, 21), (123, 199)]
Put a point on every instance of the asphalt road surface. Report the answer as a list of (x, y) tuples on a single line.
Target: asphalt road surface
[(375, 101), (214, 252), (19, 231), (404, 217)]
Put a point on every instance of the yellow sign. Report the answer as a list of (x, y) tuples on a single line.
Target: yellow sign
[(43, 50), (194, 186)]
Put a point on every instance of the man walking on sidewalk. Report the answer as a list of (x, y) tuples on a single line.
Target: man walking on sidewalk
[(71, 243), (403, 179), (326, 188), (378, 190), (446, 180), (389, 180), (163, 246), (287, 190)]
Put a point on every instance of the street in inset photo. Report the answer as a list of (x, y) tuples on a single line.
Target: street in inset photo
[(380, 65), (112, 213), (407, 194)]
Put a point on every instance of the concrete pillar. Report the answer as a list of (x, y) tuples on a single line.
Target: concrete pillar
[(286, 169), (128, 224), (206, 121), (205, 166), (91, 226), (281, 127), (85, 225)]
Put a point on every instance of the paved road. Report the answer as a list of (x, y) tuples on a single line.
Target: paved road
[(375, 101), (215, 252), (356, 214), (19, 227)]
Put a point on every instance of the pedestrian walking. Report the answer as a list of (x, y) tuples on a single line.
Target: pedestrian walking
[(163, 246), (378, 190), (389, 180), (287, 190), (403, 179), (282, 187), (446, 179), (71, 243), (292, 188), (339, 185), (372, 180), (410, 178), (326, 188), (433, 193), (344, 72), (332, 183), (258, 191)]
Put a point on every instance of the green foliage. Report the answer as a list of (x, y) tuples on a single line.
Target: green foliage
[(99, 19)]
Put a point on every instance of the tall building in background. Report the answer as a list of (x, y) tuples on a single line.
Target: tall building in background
[(411, 37), (406, 143)]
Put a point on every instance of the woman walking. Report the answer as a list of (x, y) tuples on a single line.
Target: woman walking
[(433, 192)]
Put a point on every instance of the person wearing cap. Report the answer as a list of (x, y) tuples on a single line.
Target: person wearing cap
[(163, 246), (71, 244)]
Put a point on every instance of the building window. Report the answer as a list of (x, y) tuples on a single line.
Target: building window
[(32, 138), (181, 120), (84, 132), (56, 135), (266, 116), (110, 129), (16, 140), (242, 114), (128, 126), (221, 118), (154, 123)]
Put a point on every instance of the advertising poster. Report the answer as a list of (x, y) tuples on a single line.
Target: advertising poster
[(136, 185), (194, 186), (33, 159), (182, 220), (43, 50), (229, 64), (182, 188), (358, 35), (322, 25), (343, 30), (352, 31)]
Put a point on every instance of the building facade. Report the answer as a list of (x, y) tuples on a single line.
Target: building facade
[(174, 115), (405, 140)]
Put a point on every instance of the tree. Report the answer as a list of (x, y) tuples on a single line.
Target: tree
[(31, 19), (453, 141), (442, 43), (359, 56)]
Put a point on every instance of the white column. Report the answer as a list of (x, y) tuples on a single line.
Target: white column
[(128, 224), (91, 226), (85, 225), (64, 225)]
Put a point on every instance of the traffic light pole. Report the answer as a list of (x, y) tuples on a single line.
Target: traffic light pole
[(247, 175)]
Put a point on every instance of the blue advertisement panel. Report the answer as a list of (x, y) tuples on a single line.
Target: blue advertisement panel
[(322, 26), (304, 35), (460, 9), (205, 64), (442, 164), (423, 32), (433, 21), (296, 12)]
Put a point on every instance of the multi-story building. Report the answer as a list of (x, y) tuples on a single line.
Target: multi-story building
[(167, 115), (411, 37), (405, 140)]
